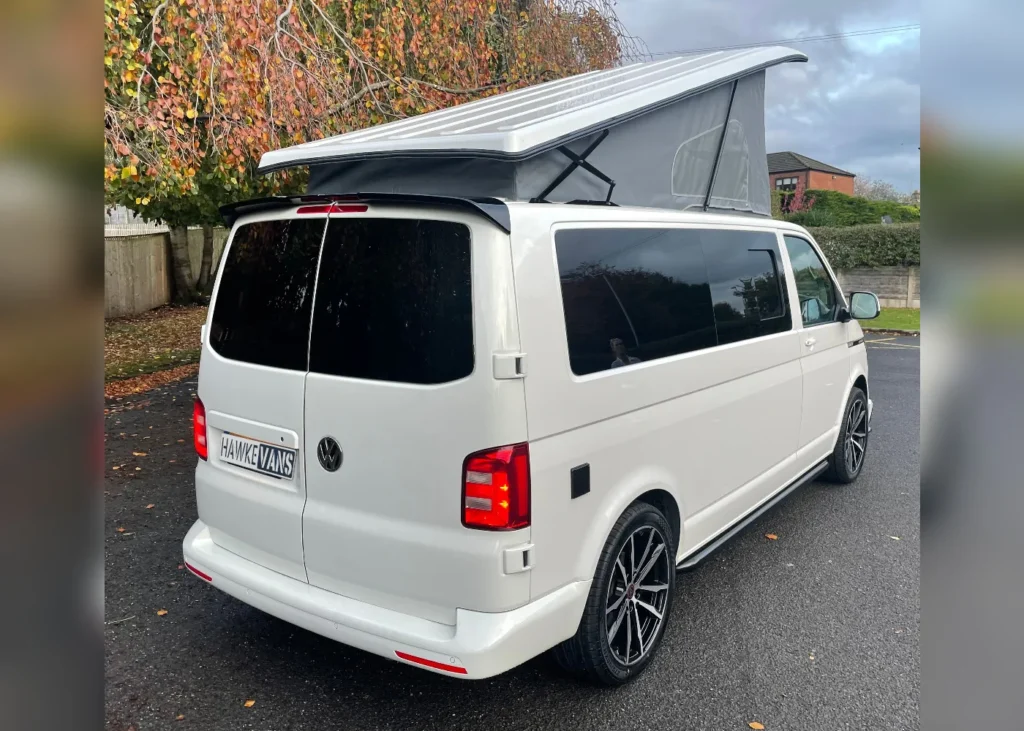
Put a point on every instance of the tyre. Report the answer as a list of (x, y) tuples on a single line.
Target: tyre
[(629, 602), (847, 459)]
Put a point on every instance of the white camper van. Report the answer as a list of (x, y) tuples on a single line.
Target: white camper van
[(458, 431)]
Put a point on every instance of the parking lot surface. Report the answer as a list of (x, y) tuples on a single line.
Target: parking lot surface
[(818, 629)]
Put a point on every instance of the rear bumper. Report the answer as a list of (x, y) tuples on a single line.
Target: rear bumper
[(479, 645)]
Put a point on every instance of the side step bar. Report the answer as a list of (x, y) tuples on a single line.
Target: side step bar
[(717, 542)]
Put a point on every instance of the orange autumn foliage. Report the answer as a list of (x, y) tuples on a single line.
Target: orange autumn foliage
[(197, 90)]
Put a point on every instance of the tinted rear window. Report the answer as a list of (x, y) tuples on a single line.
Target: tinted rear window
[(632, 295), (747, 283), (265, 296), (394, 301)]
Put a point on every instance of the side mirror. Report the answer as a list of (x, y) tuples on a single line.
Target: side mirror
[(864, 305)]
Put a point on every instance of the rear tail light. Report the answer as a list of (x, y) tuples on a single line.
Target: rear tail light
[(199, 429), (496, 488)]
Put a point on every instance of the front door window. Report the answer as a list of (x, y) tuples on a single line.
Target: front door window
[(819, 302)]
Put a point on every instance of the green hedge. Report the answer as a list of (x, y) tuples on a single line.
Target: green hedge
[(832, 208), (876, 245)]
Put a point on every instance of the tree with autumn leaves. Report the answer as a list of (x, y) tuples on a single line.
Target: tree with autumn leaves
[(197, 90)]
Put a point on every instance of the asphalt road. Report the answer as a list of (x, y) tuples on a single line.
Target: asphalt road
[(816, 630)]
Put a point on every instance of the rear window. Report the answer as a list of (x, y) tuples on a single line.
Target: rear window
[(394, 301), (265, 297)]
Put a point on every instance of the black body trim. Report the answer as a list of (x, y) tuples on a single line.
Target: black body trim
[(702, 552), (579, 480), (492, 209)]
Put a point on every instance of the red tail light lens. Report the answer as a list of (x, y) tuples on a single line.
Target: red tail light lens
[(496, 488), (199, 429), (333, 208)]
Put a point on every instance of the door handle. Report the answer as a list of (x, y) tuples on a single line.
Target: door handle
[(809, 342)]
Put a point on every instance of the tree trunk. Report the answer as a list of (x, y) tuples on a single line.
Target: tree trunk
[(205, 285), (184, 285)]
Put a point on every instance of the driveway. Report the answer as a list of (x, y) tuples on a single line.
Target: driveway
[(818, 629)]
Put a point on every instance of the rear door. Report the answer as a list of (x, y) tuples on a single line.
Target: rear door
[(251, 489), (411, 308)]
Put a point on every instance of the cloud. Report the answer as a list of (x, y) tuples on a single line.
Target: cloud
[(856, 103)]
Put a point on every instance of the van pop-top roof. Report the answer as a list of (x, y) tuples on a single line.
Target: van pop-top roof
[(647, 134)]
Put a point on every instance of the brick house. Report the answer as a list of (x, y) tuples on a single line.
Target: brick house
[(786, 169)]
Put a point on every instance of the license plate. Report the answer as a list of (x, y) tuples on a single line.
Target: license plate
[(267, 459)]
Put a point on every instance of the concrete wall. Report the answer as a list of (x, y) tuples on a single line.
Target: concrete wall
[(895, 286), (137, 269)]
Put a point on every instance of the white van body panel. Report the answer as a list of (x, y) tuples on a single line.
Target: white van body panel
[(691, 424), (375, 554)]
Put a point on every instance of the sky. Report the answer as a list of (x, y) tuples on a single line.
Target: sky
[(855, 104)]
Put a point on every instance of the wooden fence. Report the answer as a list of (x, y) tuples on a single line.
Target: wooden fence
[(137, 274)]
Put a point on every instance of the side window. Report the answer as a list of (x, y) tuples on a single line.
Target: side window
[(632, 295), (818, 300), (747, 284)]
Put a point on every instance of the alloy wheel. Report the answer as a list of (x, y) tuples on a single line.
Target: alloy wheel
[(856, 437), (638, 595)]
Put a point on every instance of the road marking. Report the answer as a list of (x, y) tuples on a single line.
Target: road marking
[(897, 345), (881, 340)]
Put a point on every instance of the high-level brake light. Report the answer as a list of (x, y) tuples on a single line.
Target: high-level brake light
[(334, 208)]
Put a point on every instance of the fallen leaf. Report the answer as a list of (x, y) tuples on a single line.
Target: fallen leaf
[(173, 461), (895, 538), (161, 612), (150, 506), (116, 467), (249, 704), (138, 469), (810, 657), (120, 530), (181, 441), (139, 454), (771, 536), (756, 726), (181, 565), (180, 717)]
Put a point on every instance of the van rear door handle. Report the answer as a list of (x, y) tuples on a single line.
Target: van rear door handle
[(809, 342)]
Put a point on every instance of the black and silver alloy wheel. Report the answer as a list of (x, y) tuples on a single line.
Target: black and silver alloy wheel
[(629, 602), (856, 437), (637, 595), (847, 459)]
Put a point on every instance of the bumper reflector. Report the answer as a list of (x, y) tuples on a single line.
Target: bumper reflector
[(198, 573), (431, 663)]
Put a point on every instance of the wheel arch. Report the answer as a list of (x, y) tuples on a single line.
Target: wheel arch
[(659, 493)]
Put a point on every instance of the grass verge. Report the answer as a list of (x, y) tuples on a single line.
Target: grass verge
[(895, 318)]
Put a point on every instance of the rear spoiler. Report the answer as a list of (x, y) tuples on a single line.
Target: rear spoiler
[(493, 209)]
